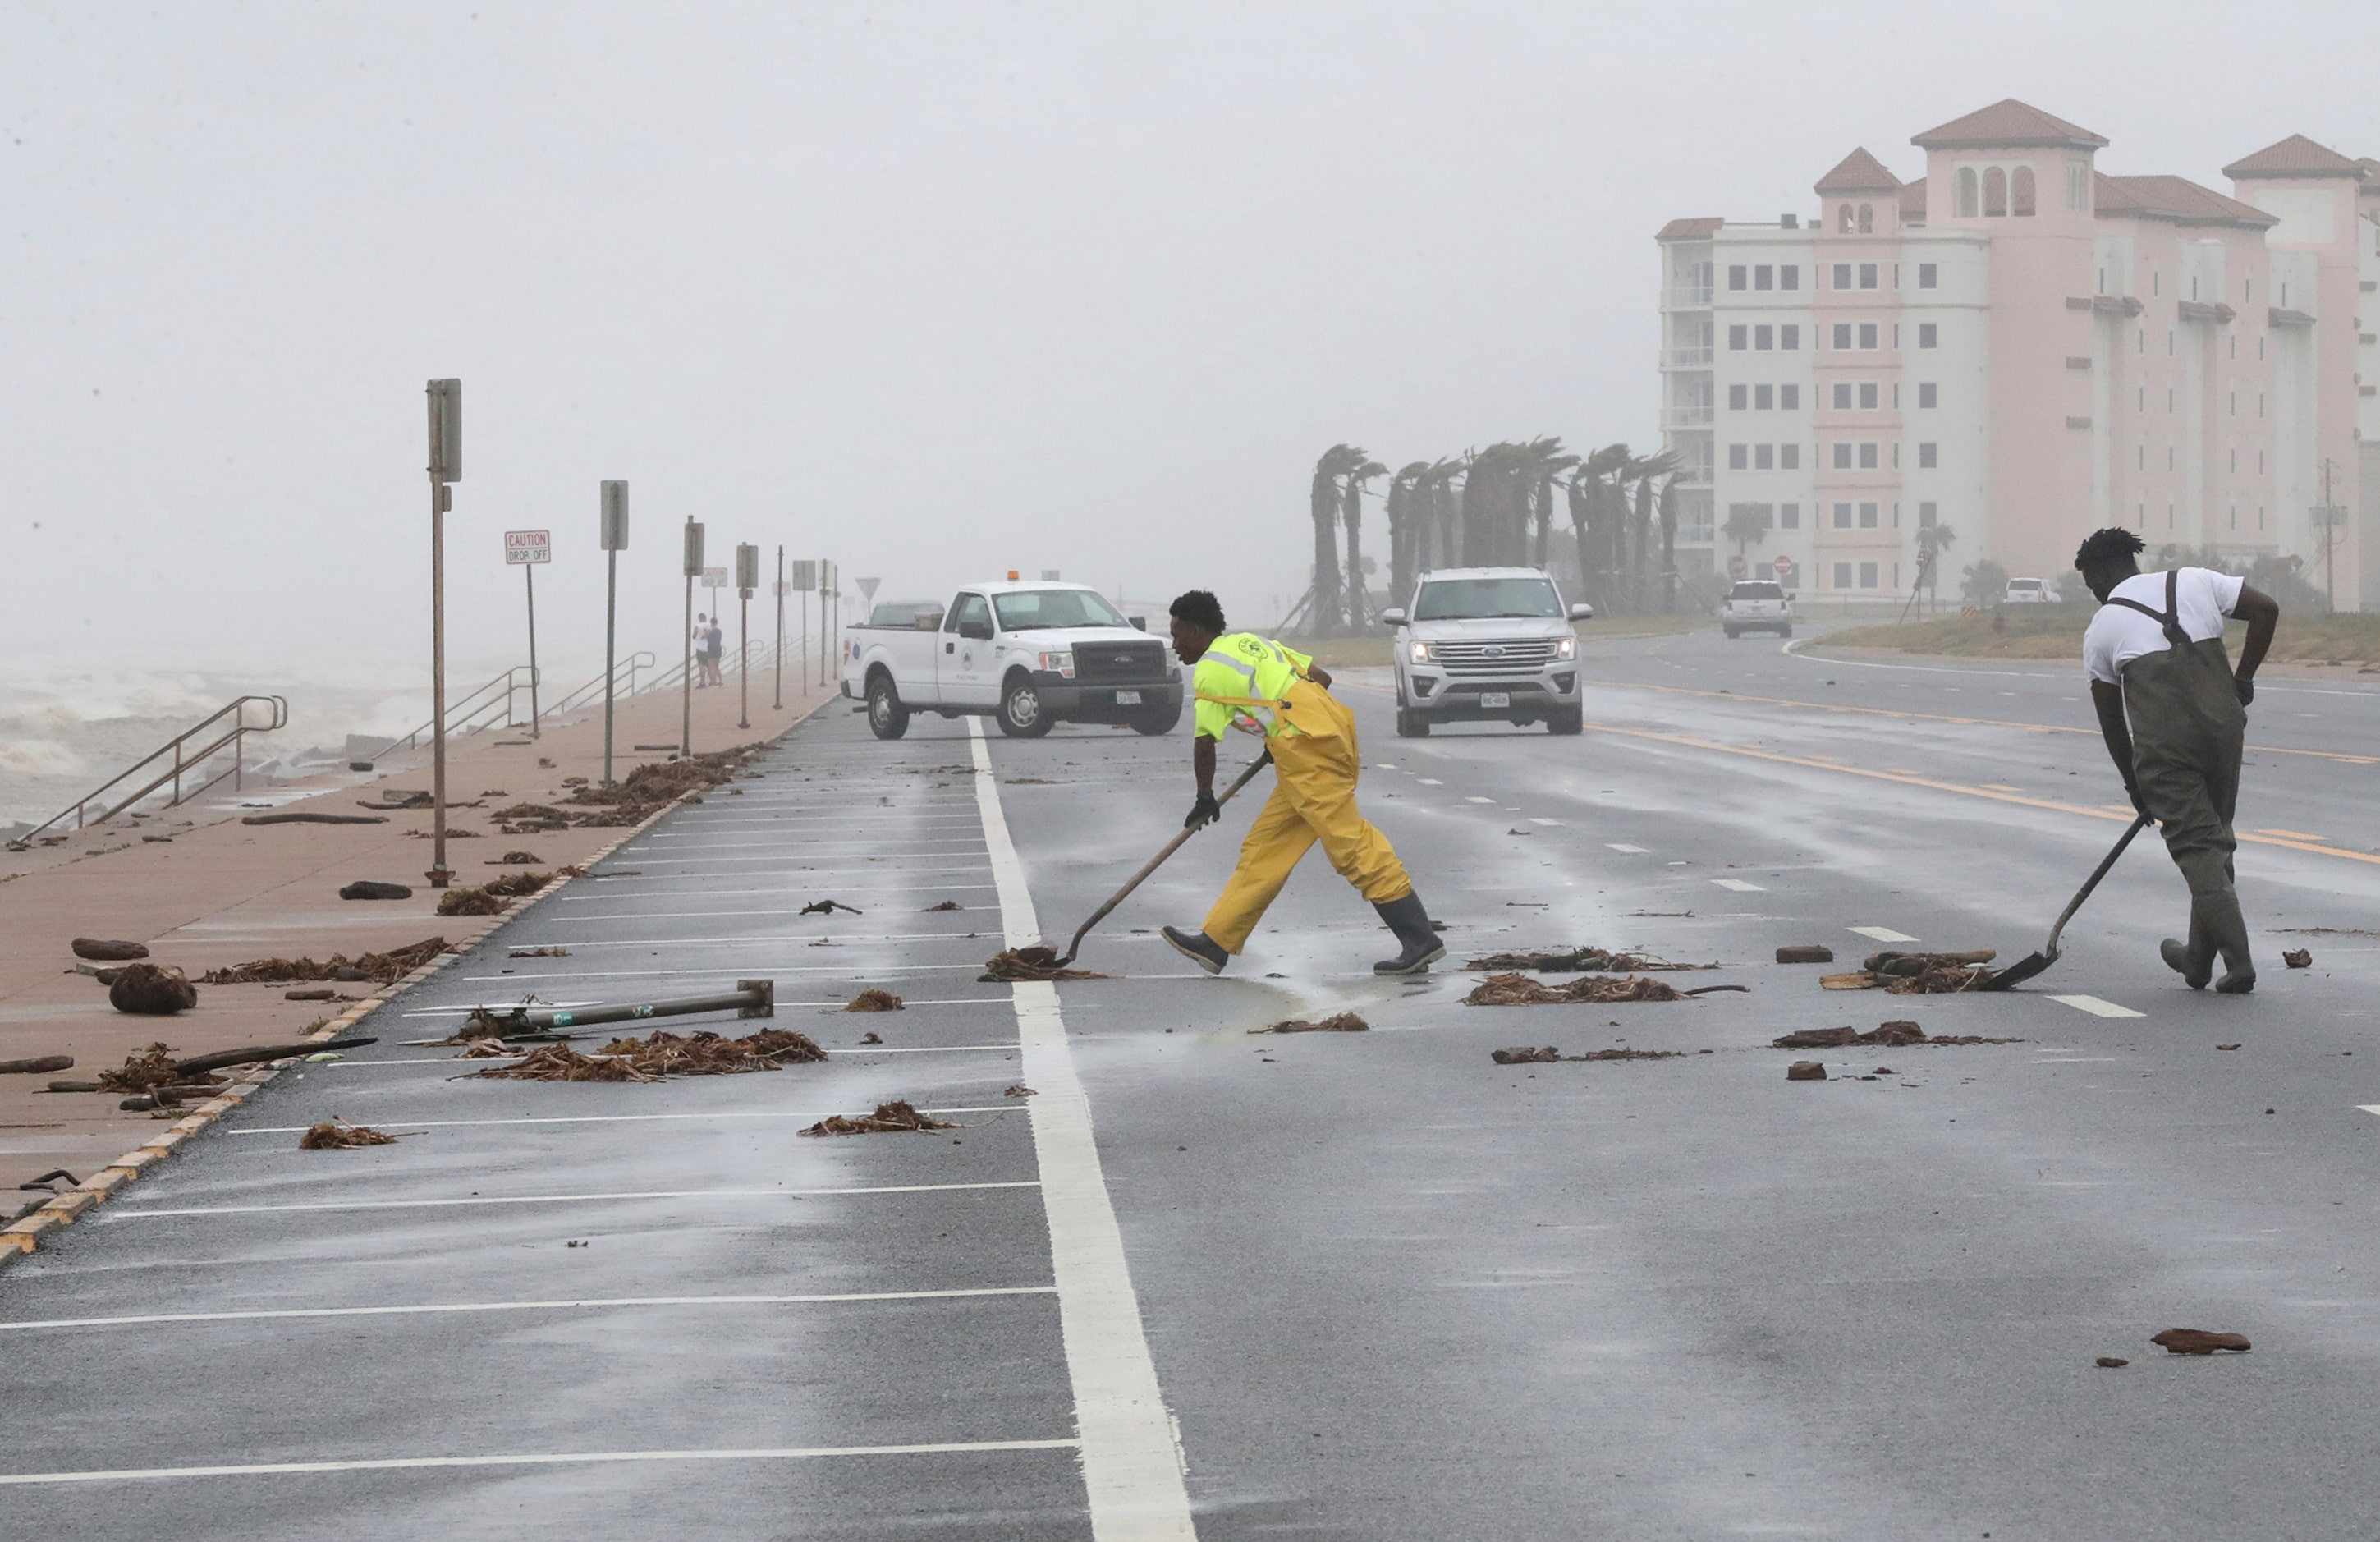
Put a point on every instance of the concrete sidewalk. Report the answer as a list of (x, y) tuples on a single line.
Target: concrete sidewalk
[(204, 890)]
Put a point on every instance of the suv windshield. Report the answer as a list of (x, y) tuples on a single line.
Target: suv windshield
[(1486, 599), (1031, 608), (1755, 591)]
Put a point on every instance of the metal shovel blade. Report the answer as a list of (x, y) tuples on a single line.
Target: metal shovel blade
[(2033, 964), (2023, 969)]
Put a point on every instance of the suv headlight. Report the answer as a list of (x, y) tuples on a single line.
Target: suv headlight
[(1566, 649), (1421, 652), (1059, 662)]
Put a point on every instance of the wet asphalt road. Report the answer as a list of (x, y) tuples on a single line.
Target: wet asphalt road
[(1390, 1289)]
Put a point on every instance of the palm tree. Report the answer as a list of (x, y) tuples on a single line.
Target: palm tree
[(1590, 496), (1541, 461), (1746, 523), (1932, 541), (1486, 483), (1439, 486), (1406, 509), (1323, 501), (1351, 511), (1670, 537), (1642, 473)]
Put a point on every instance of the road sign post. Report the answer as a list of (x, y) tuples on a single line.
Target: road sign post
[(446, 469), (612, 532), (747, 578), (826, 625), (801, 576), (780, 654), (686, 685), (526, 550)]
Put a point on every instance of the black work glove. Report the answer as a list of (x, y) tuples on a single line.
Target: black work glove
[(2140, 805), (1204, 812), (2246, 688)]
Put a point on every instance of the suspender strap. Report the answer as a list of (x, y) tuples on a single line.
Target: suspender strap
[(2170, 617)]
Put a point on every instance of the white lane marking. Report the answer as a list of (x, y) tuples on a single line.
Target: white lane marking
[(890, 971), (1431, 781), (527, 1307), (1882, 934), (790, 888), (1479, 800), (560, 1199), (803, 937), (1738, 884), (598, 1118), (1132, 1458), (789, 910), (532, 979), (439, 1061), (780, 862), (387, 1463), (1545, 821), (1632, 851), (2096, 1007)]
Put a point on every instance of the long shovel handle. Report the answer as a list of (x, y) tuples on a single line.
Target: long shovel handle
[(1101, 913), (2075, 903)]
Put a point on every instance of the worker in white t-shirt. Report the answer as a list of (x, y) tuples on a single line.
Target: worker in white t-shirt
[(2174, 713)]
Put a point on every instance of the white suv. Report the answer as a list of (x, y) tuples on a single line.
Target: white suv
[(2029, 591), (1757, 605)]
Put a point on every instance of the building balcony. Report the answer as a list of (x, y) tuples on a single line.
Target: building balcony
[(1688, 358), (1686, 297), (1688, 417)]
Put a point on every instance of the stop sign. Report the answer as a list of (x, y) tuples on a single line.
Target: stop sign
[(1784, 566), (1735, 565)]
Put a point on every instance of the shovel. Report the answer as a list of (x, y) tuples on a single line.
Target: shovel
[(2033, 964), (1101, 913)]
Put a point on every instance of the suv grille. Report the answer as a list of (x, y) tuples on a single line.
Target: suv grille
[(1494, 658), (1119, 661)]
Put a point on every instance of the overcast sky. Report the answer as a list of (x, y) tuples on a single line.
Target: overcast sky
[(937, 290)]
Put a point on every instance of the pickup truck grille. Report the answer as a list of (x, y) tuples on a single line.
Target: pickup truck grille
[(1494, 658), (1120, 661)]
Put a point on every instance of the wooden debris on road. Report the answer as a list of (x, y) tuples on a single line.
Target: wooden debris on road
[(106, 950), (1037, 962), (2198, 1341), (385, 968), (335, 1134), (2298, 958), (1520, 991), (1342, 1022), (894, 1118), (36, 1065), (309, 817), (874, 1000), (1811, 954), (828, 907), (1586, 957), (152, 990)]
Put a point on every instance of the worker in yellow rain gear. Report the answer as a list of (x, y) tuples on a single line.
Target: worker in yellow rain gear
[(1312, 740)]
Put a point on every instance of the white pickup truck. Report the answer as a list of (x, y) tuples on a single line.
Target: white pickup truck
[(1030, 655)]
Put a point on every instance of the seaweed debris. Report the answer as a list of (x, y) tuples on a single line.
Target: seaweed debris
[(1583, 957), (333, 1134), (894, 1118), (385, 968), (1520, 991), (1034, 962), (874, 1000), (1343, 1022)]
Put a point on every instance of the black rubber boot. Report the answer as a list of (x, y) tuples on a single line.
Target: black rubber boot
[(2227, 929), (1421, 946), (2193, 960), (1198, 948)]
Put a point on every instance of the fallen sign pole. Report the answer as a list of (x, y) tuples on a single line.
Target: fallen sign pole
[(525, 550), (749, 999)]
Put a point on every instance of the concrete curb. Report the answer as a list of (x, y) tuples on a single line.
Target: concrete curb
[(20, 1237)]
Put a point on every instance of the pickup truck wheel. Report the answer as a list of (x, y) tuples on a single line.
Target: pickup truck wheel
[(1021, 713), (1411, 725), (1567, 720), (887, 719), (1156, 723)]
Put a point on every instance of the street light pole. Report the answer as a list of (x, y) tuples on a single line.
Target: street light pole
[(613, 515), (685, 685), (747, 578), (780, 654)]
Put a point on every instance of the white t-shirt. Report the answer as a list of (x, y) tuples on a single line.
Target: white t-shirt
[(2119, 633)]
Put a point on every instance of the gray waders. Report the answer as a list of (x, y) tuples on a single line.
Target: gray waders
[(2188, 732)]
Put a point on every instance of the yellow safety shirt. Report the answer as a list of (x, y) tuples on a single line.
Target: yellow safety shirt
[(1241, 675)]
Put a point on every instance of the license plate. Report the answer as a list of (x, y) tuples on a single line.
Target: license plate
[(1128, 699), (1495, 698)]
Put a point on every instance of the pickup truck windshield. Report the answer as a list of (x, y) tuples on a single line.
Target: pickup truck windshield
[(1486, 599), (1029, 610)]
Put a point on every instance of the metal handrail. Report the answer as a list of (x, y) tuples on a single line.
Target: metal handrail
[(185, 763), (587, 692), (763, 658), (469, 714)]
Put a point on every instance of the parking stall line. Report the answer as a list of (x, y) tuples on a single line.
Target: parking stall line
[(115, 1214), (586, 1302), (606, 1119)]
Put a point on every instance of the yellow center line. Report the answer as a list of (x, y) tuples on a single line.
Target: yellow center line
[(2339, 755), (1907, 781)]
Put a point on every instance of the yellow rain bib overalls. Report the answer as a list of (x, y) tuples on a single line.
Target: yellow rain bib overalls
[(1315, 761)]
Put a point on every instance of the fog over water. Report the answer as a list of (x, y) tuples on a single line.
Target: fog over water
[(937, 290)]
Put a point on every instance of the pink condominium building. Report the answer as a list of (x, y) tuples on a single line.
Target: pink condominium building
[(2026, 348)]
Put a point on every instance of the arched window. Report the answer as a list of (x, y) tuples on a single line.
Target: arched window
[(1967, 192), (1843, 220), (2020, 191), (1995, 193), (1867, 219)]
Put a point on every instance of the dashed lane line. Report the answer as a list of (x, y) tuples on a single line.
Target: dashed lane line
[(1479, 800), (391, 1463), (1545, 821), (1692, 742), (1883, 934), (1739, 885), (1132, 1456), (1622, 847), (583, 1303), (2096, 1007), (113, 1213)]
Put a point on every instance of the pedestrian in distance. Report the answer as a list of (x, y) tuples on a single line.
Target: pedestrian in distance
[(706, 657), (1311, 737), (2174, 713)]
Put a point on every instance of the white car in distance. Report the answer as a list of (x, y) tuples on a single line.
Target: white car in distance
[(1757, 605), (2030, 592)]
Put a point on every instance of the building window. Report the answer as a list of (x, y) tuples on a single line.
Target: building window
[(1867, 457), (2260, 470), (1926, 458), (1994, 194), (1926, 394), (1789, 515), (1927, 514), (1842, 575), (1789, 398), (1867, 334), (2140, 458), (2169, 342), (1789, 277), (1764, 277), (1764, 398), (1868, 574), (1867, 395), (2021, 192), (1842, 395), (1789, 456), (1735, 276), (1842, 454), (2260, 404), (1736, 460), (1842, 276), (1867, 219), (1867, 517), (1926, 275), (1867, 275), (1842, 337), (1843, 218), (1763, 338), (2235, 403), (1842, 516), (1788, 339), (2168, 398), (2169, 452), (2235, 465), (2077, 184), (1736, 397), (1764, 457), (1967, 192), (1925, 334), (1738, 337)]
